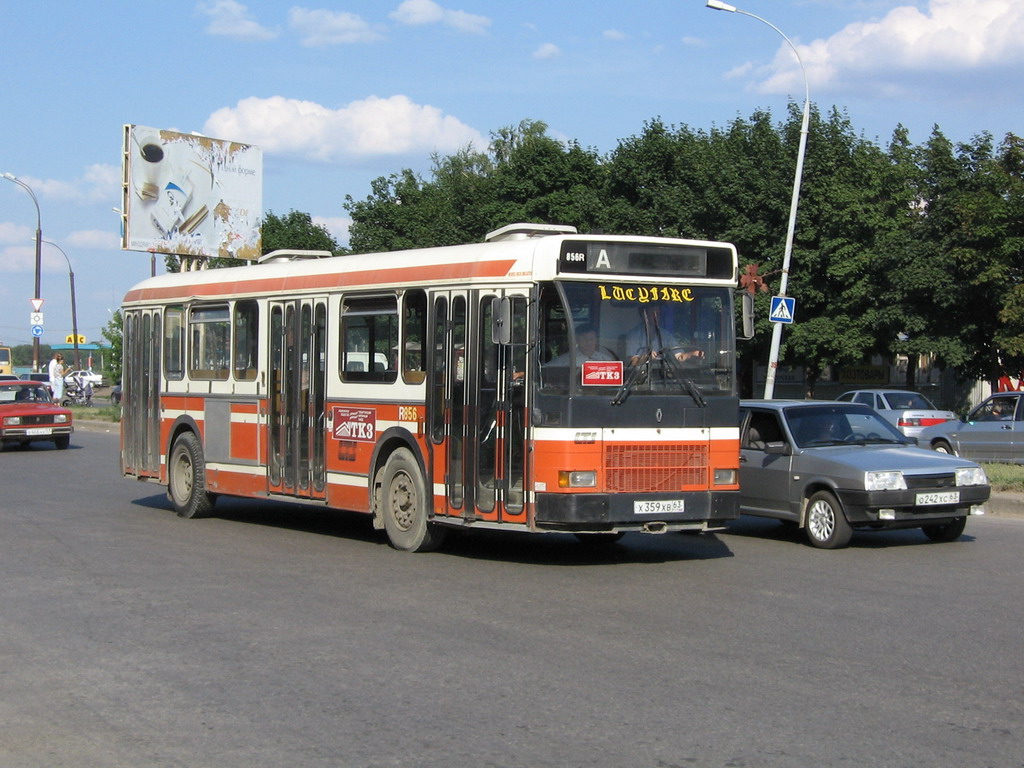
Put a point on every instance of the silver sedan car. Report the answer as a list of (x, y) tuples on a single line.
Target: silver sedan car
[(994, 431), (833, 467), (910, 412)]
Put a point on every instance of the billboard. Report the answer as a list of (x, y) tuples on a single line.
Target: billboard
[(190, 195)]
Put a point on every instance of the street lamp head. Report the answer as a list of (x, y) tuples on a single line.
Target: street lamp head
[(10, 177), (720, 6)]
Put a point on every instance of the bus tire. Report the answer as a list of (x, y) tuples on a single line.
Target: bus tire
[(186, 481), (404, 503)]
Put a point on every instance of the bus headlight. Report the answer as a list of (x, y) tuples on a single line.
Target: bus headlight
[(725, 477), (577, 479)]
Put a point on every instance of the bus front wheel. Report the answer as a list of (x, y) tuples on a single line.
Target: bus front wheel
[(186, 483), (404, 501)]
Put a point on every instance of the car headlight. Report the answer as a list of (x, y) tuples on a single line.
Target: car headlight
[(60, 418), (884, 481), (971, 476), (12, 421)]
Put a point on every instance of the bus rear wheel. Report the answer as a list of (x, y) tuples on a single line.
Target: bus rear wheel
[(186, 482), (403, 506)]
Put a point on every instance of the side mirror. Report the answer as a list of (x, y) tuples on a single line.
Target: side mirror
[(501, 320), (780, 448), (747, 312)]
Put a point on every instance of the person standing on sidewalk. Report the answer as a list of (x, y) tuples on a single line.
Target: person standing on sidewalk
[(57, 371)]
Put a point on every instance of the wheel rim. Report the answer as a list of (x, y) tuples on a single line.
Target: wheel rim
[(183, 477), (402, 501), (821, 521)]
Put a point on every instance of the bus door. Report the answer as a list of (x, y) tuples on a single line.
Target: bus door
[(477, 409), (141, 395), (500, 428), (296, 389)]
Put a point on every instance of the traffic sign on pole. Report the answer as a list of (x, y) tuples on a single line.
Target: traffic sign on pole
[(782, 309)]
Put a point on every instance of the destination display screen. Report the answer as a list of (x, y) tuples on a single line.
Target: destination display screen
[(646, 259)]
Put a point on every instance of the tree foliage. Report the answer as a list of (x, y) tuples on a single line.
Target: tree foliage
[(898, 249)]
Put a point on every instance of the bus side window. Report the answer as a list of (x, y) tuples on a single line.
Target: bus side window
[(174, 351), (246, 335), (369, 339), (414, 326)]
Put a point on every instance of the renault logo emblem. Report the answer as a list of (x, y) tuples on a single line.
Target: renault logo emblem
[(658, 415)]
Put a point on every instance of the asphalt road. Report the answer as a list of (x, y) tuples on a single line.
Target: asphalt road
[(279, 635)]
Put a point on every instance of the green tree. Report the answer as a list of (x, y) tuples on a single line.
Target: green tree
[(112, 333)]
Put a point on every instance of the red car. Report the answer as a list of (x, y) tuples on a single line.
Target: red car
[(28, 413)]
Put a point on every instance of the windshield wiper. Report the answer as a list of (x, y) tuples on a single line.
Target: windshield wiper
[(636, 372), (684, 381)]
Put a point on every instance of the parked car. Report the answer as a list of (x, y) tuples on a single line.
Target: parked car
[(86, 377), (8, 377), (833, 467), (994, 431), (909, 411), (41, 377), (28, 414)]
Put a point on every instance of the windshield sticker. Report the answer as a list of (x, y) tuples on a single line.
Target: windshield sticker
[(602, 373)]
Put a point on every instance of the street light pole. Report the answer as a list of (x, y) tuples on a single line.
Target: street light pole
[(74, 310), (773, 354), (39, 257)]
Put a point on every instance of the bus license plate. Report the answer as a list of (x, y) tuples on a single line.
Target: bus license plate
[(32, 431), (946, 497), (661, 507)]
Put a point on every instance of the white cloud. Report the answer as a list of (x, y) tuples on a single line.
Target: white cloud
[(420, 12), (336, 225), (99, 183), (231, 19), (373, 126), (613, 34), (321, 27), (95, 240), (547, 51), (947, 36)]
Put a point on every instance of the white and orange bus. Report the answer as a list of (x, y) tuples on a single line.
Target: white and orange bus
[(540, 381)]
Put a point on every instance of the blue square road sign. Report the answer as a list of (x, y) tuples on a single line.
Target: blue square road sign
[(782, 309)]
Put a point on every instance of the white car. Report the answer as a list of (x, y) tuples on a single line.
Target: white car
[(87, 377)]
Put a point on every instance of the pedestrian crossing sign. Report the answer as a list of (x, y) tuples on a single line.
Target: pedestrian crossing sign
[(782, 310)]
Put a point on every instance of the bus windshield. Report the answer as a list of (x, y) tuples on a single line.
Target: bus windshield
[(620, 339)]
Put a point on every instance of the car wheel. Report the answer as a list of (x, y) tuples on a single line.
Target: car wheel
[(943, 447), (404, 501), (946, 532), (186, 484), (62, 442), (825, 524)]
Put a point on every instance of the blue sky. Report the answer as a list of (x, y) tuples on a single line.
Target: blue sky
[(339, 93)]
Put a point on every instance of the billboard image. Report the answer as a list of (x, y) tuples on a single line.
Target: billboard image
[(191, 195)]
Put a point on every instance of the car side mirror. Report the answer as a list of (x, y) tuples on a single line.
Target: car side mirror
[(777, 447)]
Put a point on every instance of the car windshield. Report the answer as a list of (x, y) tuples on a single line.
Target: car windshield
[(821, 425), (902, 401), (20, 394)]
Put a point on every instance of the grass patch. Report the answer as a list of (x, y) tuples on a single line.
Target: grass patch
[(1005, 477), (111, 413)]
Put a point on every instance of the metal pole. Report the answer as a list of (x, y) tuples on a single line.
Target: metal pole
[(773, 353), (74, 310), (39, 257)]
